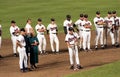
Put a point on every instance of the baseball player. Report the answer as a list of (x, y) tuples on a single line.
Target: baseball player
[(14, 31), (22, 51), (116, 27), (52, 29), (40, 29), (99, 22), (87, 25), (67, 23), (110, 28), (71, 41), (28, 27), (79, 23)]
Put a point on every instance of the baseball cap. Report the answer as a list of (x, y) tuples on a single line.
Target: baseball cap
[(13, 21), (22, 29), (81, 15), (114, 12), (109, 12), (98, 12), (70, 29), (52, 19), (68, 16), (39, 19), (86, 16)]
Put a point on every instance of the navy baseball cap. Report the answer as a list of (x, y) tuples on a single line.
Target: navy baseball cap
[(52, 19), (39, 19), (22, 29), (13, 21), (81, 15), (98, 12), (109, 12), (86, 16), (70, 29), (114, 12), (68, 16)]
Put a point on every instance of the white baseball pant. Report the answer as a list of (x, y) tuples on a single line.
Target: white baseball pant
[(111, 35), (81, 37), (13, 38), (42, 43), (99, 35), (73, 50), (54, 38), (22, 57), (117, 35), (86, 39)]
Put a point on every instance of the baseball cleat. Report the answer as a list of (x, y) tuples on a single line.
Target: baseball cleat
[(72, 67), (79, 67)]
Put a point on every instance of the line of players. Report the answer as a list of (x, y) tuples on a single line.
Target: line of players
[(110, 24)]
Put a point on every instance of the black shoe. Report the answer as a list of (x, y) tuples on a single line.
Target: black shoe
[(105, 45), (79, 67), (22, 70), (102, 46), (113, 45), (96, 47), (1, 56), (57, 53), (15, 54), (81, 49), (117, 45), (72, 67)]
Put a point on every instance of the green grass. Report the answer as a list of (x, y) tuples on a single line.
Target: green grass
[(21, 10), (108, 70)]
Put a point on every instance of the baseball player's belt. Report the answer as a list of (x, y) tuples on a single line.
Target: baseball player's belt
[(81, 29), (87, 30), (99, 27), (41, 33), (53, 33)]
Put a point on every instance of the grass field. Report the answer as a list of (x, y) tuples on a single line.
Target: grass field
[(109, 70), (21, 10)]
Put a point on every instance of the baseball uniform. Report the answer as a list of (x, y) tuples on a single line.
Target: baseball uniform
[(53, 36), (80, 27), (22, 51), (68, 24), (14, 36), (87, 35), (41, 37), (99, 31), (73, 50), (110, 23), (117, 29)]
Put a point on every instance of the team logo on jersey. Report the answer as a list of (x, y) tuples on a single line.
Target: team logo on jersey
[(53, 28)]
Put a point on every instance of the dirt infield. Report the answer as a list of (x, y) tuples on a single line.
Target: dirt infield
[(52, 65)]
